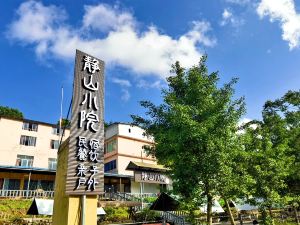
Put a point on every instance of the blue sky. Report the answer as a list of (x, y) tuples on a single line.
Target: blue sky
[(257, 41)]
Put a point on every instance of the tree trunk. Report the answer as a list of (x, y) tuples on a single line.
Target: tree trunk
[(209, 209), (296, 215), (271, 215), (229, 212)]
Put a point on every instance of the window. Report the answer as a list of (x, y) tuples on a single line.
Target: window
[(24, 160), (33, 185), (30, 126), (52, 163), (47, 185), (56, 131), (54, 144), (110, 146), (110, 166), (12, 184), (129, 130), (27, 140)]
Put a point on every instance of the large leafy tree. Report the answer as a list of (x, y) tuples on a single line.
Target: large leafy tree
[(10, 112), (195, 133), (274, 149), (284, 118)]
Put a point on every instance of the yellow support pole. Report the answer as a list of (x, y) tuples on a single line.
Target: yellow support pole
[(67, 209)]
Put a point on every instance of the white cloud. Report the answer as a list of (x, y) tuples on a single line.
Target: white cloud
[(125, 95), (121, 82), (244, 121), (283, 11), (125, 84), (36, 24), (104, 18), (229, 18), (110, 34), (147, 85)]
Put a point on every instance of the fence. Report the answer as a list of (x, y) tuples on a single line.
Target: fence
[(26, 194), (121, 196)]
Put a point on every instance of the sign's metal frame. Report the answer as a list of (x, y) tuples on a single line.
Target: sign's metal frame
[(85, 173)]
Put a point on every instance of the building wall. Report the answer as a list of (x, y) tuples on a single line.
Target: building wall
[(10, 134), (133, 147), (123, 161), (129, 141), (147, 188)]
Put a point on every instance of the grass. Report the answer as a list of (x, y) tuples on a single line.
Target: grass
[(14, 207), (278, 222)]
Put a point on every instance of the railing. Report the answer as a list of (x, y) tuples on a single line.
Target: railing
[(171, 217), (114, 196), (143, 195), (121, 196), (26, 194)]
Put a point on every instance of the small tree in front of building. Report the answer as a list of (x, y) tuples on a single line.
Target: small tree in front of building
[(195, 133), (10, 112)]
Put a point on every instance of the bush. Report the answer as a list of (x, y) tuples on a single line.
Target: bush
[(149, 199), (116, 214), (147, 215)]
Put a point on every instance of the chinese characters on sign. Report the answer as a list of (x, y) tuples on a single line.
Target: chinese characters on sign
[(150, 177), (85, 161), (87, 153)]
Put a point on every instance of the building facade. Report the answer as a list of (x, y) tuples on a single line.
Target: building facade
[(28, 154), (125, 143), (29, 157)]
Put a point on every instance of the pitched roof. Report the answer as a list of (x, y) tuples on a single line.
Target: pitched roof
[(141, 166)]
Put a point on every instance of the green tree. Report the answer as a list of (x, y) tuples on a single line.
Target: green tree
[(195, 133), (284, 120), (10, 113), (274, 149), (64, 122)]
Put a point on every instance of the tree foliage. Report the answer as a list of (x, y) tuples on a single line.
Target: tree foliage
[(195, 133), (64, 122), (10, 112), (273, 145)]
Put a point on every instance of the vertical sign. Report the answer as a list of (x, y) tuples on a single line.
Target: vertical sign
[(85, 174)]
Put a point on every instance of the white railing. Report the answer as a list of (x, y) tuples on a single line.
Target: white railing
[(122, 196), (143, 195), (26, 194), (171, 217)]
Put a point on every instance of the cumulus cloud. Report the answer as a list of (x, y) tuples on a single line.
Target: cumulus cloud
[(283, 11), (125, 95), (125, 85), (147, 85), (229, 18), (111, 18), (110, 34), (121, 82), (244, 121)]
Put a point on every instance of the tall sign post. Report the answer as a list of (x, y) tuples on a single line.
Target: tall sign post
[(84, 173)]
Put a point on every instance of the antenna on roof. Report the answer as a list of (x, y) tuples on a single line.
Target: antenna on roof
[(61, 109)]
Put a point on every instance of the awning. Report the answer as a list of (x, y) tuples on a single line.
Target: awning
[(100, 211), (165, 203), (216, 208), (41, 207), (141, 166), (33, 170)]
